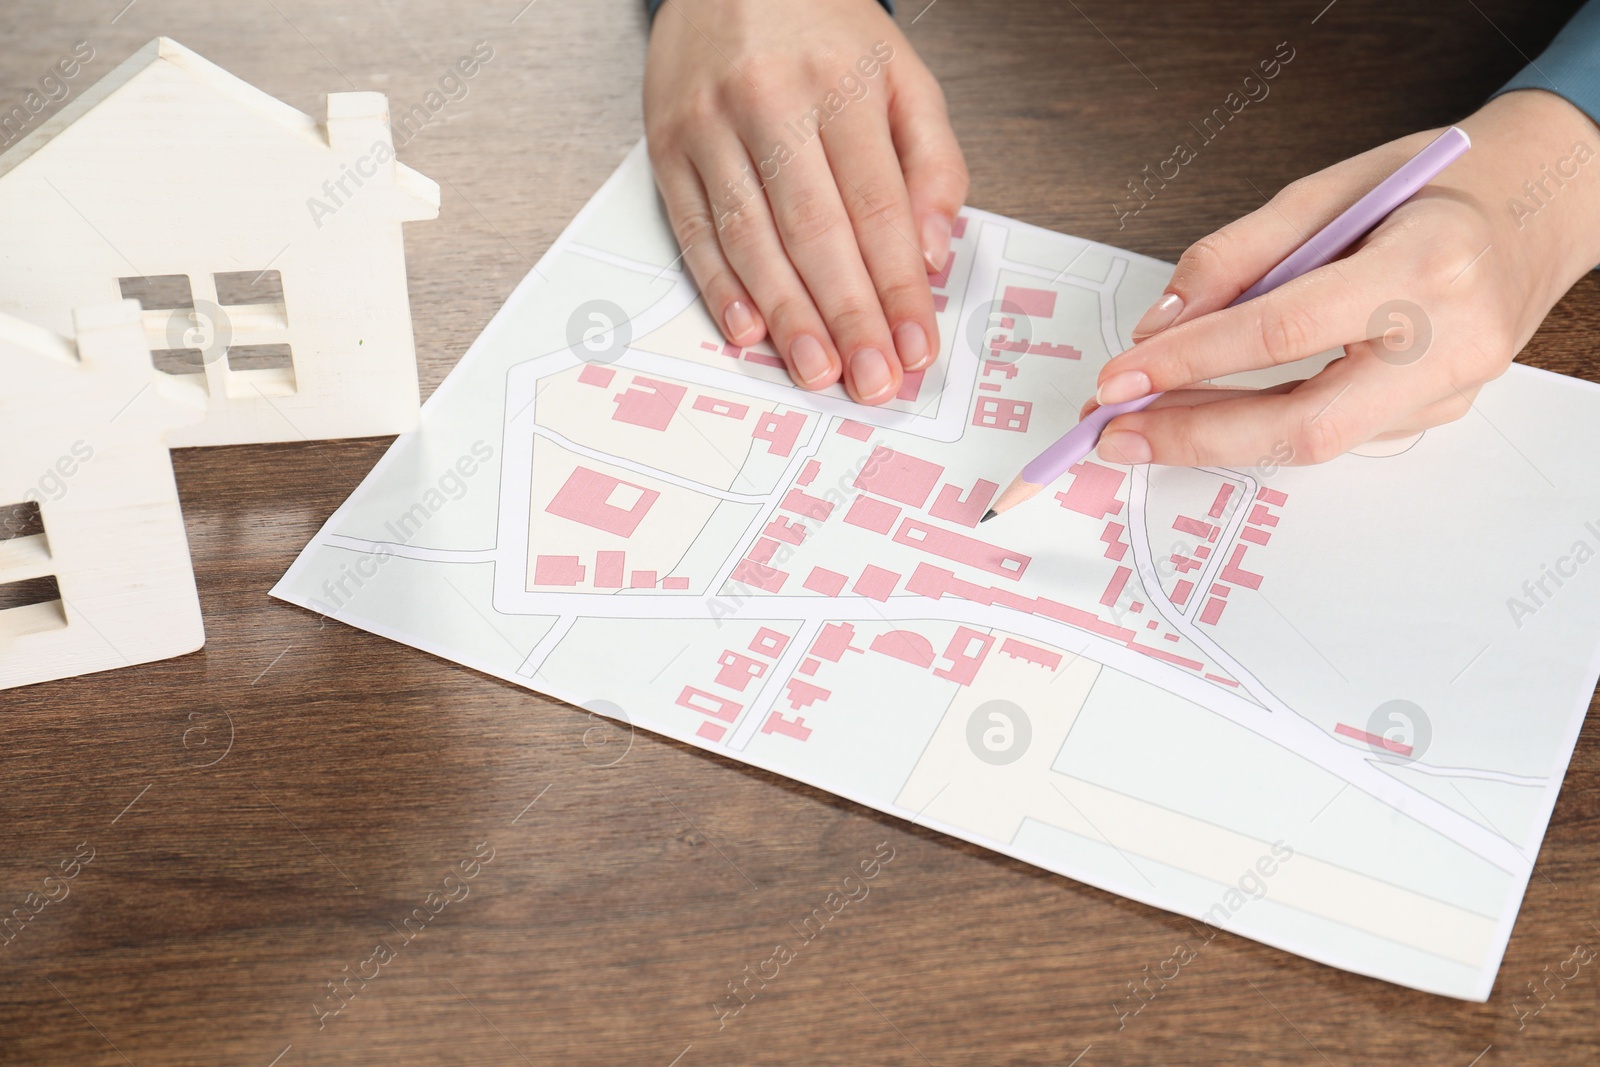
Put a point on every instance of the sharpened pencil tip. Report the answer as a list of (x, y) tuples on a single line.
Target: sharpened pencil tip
[(987, 515)]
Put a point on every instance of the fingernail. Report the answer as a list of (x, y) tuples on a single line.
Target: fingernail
[(869, 372), (810, 360), (1120, 388), (911, 345), (936, 241), (1124, 446), (1159, 317), (739, 319)]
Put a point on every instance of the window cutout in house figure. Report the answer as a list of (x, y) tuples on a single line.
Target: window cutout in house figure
[(260, 358), (250, 287), (28, 605), (159, 292), (168, 304), (31, 606), (178, 360), (20, 520)]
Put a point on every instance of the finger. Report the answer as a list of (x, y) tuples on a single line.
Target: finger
[(1436, 414), (1200, 393), (1216, 269), (749, 240), (1348, 403), (689, 211), (935, 170), (1452, 406), (868, 172), (1328, 308), (816, 232)]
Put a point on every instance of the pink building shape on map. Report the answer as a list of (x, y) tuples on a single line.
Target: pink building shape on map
[(726, 408), (828, 583), (648, 402), (738, 669), (962, 549), (1233, 571), (834, 641), (602, 502), (951, 507), (966, 652), (1035, 303), (998, 413), (557, 570), (899, 476), (769, 642), (608, 569), (1031, 653), (780, 432), (777, 724), (1093, 491), (876, 583), (709, 704), (905, 645), (870, 513)]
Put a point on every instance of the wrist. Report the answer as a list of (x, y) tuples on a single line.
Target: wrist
[(1537, 178)]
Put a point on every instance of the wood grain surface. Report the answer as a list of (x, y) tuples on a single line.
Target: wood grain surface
[(262, 813)]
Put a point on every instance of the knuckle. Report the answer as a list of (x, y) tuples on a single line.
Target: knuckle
[(1455, 408), (1179, 448), (873, 201), (950, 175), (691, 226), (821, 64), (1286, 331), (853, 319), (1299, 195), (761, 77), (739, 229), (904, 294), (766, 97), (717, 283), (1441, 258), (807, 216), (699, 109), (769, 111), (1206, 258), (1320, 437), (788, 314)]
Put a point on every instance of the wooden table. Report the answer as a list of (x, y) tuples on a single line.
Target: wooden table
[(230, 885)]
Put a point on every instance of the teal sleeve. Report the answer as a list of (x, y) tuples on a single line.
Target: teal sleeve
[(653, 4), (1570, 67)]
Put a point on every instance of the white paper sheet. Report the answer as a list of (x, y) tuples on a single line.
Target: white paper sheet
[(1326, 708)]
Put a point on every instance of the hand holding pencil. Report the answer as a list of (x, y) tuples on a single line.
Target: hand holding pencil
[(1432, 303)]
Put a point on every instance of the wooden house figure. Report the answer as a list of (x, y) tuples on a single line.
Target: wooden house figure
[(264, 246), (94, 562)]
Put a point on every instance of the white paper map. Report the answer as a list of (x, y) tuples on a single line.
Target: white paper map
[(1298, 703)]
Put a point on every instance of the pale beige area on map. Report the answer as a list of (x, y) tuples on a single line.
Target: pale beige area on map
[(657, 544), (949, 783), (699, 445)]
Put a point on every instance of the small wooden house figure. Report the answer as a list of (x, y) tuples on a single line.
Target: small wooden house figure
[(264, 246), (94, 562)]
